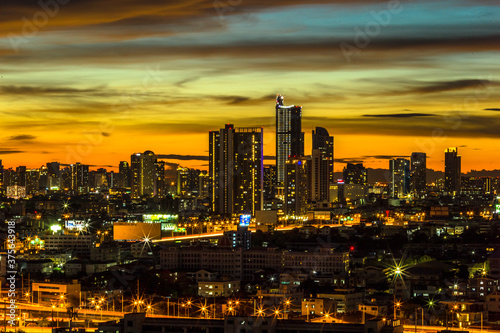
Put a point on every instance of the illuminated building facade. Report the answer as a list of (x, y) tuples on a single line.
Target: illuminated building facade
[(289, 135), (355, 174), (16, 192), (142, 171), (399, 170), (452, 170), (236, 170), (296, 186), (418, 173), (79, 178)]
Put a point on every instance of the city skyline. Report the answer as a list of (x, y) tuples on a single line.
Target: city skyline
[(384, 78)]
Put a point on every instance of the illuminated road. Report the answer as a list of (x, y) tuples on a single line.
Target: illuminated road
[(218, 234), (435, 329)]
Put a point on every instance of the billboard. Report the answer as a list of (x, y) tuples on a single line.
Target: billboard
[(245, 220), (136, 231), (75, 224)]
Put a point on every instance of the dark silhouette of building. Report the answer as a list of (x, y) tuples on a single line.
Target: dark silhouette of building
[(452, 170), (321, 165), (418, 173), (355, 174)]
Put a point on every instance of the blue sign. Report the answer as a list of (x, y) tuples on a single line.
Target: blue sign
[(245, 220)]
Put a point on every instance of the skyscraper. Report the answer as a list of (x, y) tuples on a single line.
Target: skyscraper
[(54, 175), (399, 169), (79, 178), (269, 181), (236, 170), (159, 179), (124, 174), (452, 170), (1, 173), (143, 171), (418, 173), (355, 174), (321, 176), (322, 140), (296, 186), (289, 135)]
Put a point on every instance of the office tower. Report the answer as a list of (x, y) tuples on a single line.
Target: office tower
[(54, 175), (269, 181), (21, 175), (1, 173), (319, 178), (452, 170), (355, 174), (159, 181), (98, 179), (65, 179), (203, 184), (182, 181), (124, 174), (142, 166), (236, 170), (9, 177), (111, 178), (32, 181), (418, 174), (324, 142), (296, 186), (289, 135), (399, 170), (79, 178)]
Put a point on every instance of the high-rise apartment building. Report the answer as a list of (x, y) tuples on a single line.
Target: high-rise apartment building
[(142, 171), (236, 170), (54, 175), (296, 186), (452, 170), (399, 170), (418, 173), (124, 174), (321, 168), (289, 135), (79, 178), (355, 174)]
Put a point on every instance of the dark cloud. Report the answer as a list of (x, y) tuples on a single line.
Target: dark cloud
[(383, 157), (445, 124), (195, 157), (437, 87), (33, 90), (492, 109), (348, 160), (8, 152), (183, 157), (399, 115), (22, 137)]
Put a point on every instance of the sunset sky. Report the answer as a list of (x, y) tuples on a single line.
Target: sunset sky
[(94, 81)]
